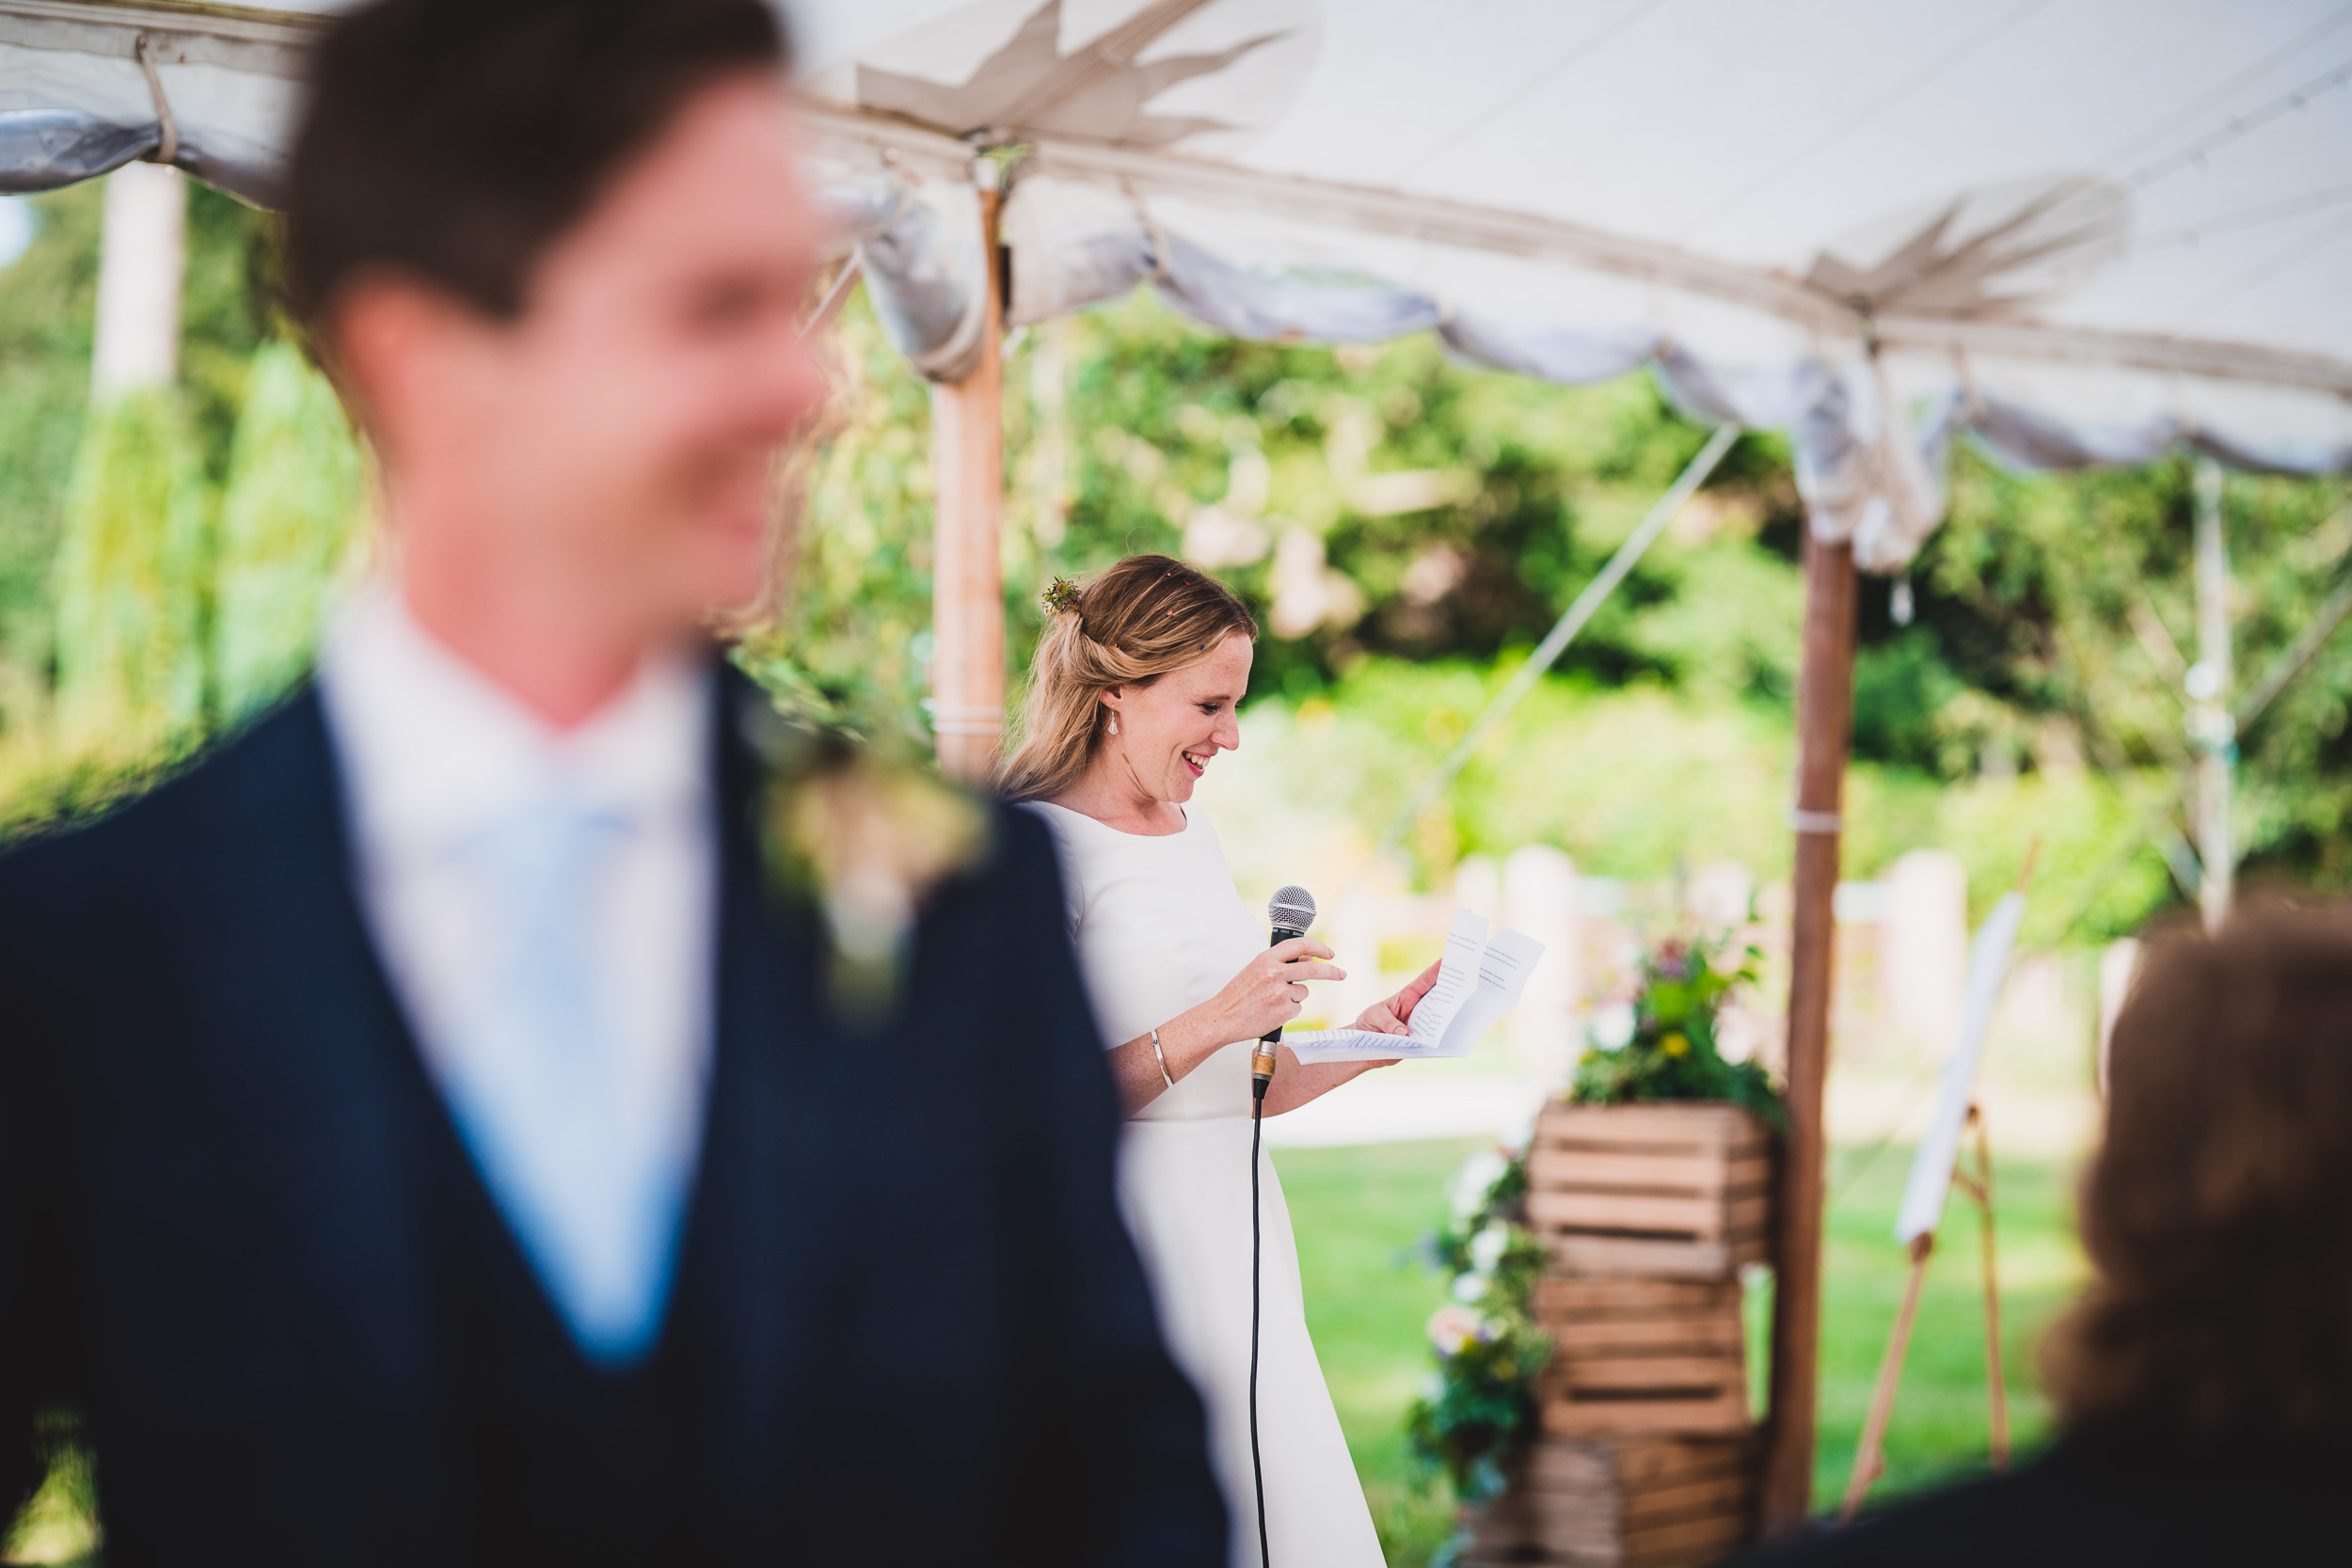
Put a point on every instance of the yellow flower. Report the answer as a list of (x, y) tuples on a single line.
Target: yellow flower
[(1675, 1045)]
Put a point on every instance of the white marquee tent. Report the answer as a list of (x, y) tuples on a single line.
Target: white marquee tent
[(2079, 230), (2082, 229)]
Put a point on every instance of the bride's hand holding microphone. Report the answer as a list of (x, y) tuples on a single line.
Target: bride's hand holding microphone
[(1270, 989), (1264, 996)]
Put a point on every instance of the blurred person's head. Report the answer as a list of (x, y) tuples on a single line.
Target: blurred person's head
[(2217, 1212), (1152, 647), (556, 253)]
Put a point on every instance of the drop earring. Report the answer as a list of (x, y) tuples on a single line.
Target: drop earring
[(1114, 724)]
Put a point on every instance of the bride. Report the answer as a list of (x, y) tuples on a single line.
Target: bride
[(1132, 694)]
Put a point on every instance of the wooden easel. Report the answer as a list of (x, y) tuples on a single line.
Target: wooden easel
[(1870, 1459)]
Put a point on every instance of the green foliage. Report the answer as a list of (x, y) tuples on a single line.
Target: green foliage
[(1393, 501), (59, 1522), (2056, 616), (1480, 1408), (162, 557), (287, 523), (47, 302), (849, 643), (228, 311), (132, 573), (1668, 1049), (1366, 500)]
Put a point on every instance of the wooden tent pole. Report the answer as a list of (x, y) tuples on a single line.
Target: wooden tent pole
[(967, 562), (1824, 722), (1867, 1459)]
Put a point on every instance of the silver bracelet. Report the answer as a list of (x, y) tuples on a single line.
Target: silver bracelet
[(1162, 1057)]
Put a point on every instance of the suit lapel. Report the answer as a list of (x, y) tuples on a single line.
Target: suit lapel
[(322, 1089), (744, 1315)]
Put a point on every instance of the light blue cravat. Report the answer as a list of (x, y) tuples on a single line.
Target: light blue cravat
[(593, 1193)]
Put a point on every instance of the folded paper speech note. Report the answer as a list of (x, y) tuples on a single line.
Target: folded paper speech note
[(1478, 982)]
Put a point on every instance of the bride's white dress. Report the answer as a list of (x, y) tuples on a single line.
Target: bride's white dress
[(1159, 930)]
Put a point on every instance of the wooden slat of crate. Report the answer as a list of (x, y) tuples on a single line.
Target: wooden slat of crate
[(1722, 1410), (1638, 1503), (1584, 1338), (1659, 1357), (1702, 1215), (1638, 1373), (1649, 1465), (1662, 1190), (1563, 1298), (1687, 1128), (1687, 1500), (1643, 1256), (1639, 1166)]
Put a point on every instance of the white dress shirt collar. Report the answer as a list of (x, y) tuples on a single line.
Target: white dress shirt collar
[(434, 749)]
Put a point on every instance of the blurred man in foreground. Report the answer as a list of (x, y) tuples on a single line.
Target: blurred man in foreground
[(429, 1133), (2204, 1380)]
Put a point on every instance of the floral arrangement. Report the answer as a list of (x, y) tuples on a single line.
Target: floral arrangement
[(1662, 1043), (865, 839), (1480, 1406)]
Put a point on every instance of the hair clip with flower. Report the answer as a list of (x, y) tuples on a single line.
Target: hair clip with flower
[(1062, 597)]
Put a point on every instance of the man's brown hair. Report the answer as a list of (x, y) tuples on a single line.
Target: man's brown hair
[(2218, 1209), (455, 140)]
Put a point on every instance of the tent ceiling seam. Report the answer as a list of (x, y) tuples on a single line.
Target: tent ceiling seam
[(2149, 136), (1583, 49), (1408, 216), (2211, 358), (1405, 215), (1902, 90), (2238, 127)]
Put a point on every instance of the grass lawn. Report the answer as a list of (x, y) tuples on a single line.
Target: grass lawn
[(1360, 1215)]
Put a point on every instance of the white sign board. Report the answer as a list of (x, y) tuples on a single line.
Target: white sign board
[(1931, 1170)]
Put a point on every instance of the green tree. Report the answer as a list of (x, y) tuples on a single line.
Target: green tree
[(134, 578), (288, 520)]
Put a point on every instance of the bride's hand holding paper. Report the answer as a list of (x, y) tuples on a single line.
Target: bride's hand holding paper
[(1478, 980), (1394, 1015)]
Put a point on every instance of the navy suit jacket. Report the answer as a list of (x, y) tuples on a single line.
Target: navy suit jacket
[(239, 1236)]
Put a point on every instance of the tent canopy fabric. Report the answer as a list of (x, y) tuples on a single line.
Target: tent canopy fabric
[(2080, 230)]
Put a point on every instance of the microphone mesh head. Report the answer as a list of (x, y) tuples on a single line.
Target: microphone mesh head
[(1292, 908)]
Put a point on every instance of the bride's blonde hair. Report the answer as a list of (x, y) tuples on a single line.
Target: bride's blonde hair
[(1139, 619)]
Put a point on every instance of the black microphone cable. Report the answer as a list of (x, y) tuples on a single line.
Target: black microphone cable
[(1291, 910), (1257, 1256)]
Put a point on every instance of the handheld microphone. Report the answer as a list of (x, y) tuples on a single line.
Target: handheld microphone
[(1292, 911)]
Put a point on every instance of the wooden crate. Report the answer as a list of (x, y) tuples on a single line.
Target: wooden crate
[(1637, 1503), (1678, 1191), (1660, 1357)]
